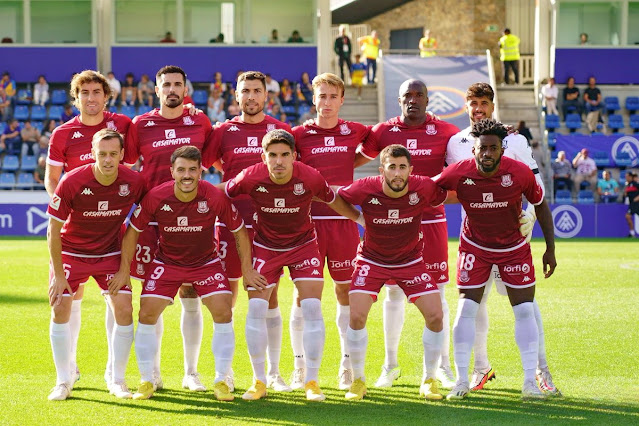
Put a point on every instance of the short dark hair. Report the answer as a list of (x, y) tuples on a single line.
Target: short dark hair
[(394, 151), (488, 126), (480, 90), (107, 134), (188, 152), (252, 75), (278, 136), (170, 69)]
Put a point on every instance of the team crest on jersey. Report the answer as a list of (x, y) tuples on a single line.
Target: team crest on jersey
[(329, 141), (270, 127), (149, 285), (393, 214), (251, 140), (298, 189), (344, 130), (188, 121), (169, 133), (413, 199), (55, 202), (463, 276), (111, 125), (202, 207), (139, 269), (430, 129), (506, 180), (124, 190), (411, 143)]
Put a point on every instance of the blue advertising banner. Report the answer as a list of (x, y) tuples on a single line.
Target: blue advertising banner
[(614, 146), (447, 79)]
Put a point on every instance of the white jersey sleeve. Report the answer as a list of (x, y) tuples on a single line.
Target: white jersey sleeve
[(517, 148), (459, 147)]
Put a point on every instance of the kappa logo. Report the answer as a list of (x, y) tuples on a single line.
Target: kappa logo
[(77, 135), (395, 129), (262, 189), (311, 132), (487, 197), (469, 181), (431, 129), (182, 221), (169, 133), (393, 214), (251, 140), (233, 128), (315, 272), (166, 208), (298, 189), (329, 141), (464, 140), (188, 121), (526, 279), (442, 277), (55, 202), (202, 206), (150, 123), (279, 202), (220, 286), (506, 180), (103, 205), (413, 198), (86, 191), (375, 201), (344, 130), (124, 190), (411, 143), (111, 125)]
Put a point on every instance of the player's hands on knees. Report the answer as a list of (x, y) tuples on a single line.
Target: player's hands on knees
[(56, 290), (550, 263), (252, 278), (119, 280), (526, 224)]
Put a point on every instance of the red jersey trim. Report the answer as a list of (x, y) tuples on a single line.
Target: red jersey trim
[(412, 262), (521, 244)]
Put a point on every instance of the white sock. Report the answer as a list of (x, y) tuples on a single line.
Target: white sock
[(463, 336), (480, 348), (60, 336), (357, 343), (314, 336), (121, 344), (527, 337), (159, 331), (342, 320), (191, 324), (274, 340), (432, 341), (223, 347), (542, 362), (393, 322), (146, 346), (444, 360), (75, 321), (296, 329), (256, 336), (109, 324)]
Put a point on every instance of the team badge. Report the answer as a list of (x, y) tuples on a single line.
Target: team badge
[(298, 189), (506, 180), (202, 207), (124, 190), (188, 121), (413, 198), (430, 129), (270, 127), (140, 269), (463, 276), (149, 285), (344, 130), (360, 281), (111, 125)]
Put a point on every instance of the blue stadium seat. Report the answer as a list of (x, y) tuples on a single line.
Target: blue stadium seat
[(632, 104), (143, 109), (21, 112), (3, 125), (612, 104), (552, 139), (563, 197), (601, 158), (597, 134), (615, 122), (38, 112), (55, 112), (113, 108), (200, 97), (11, 163), (58, 97), (128, 110), (304, 108), (29, 163), (634, 122), (25, 180), (585, 197), (24, 97), (213, 178), (573, 122), (622, 177), (38, 125), (622, 159), (554, 155), (7, 180), (552, 122)]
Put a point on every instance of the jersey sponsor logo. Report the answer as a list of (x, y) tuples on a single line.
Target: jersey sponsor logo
[(375, 201), (169, 133), (76, 135), (86, 191), (150, 123), (517, 269), (111, 125), (506, 180), (487, 197), (463, 276), (149, 285), (360, 281), (436, 266), (211, 279), (166, 208), (55, 202), (103, 205), (262, 189), (137, 211), (344, 130), (336, 264), (313, 262), (270, 127), (329, 141), (626, 145), (251, 141), (233, 128), (279, 202), (413, 198), (183, 226), (182, 221), (395, 129), (311, 132), (188, 121), (567, 220), (411, 143), (393, 213), (86, 157), (124, 190), (423, 278), (393, 221), (103, 211), (469, 181), (431, 129), (489, 202), (298, 189), (202, 207)]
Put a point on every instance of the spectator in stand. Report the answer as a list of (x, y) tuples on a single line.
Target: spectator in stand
[(30, 138), (343, 49), (146, 91), (218, 39), (370, 46), (168, 38), (47, 131), (295, 37), (38, 173), (189, 87), (570, 98), (358, 72), (525, 131), (8, 84), (305, 89), (427, 45), (586, 170), (309, 115), (275, 112), (272, 100), (10, 139), (233, 109), (67, 114), (509, 55), (275, 38), (41, 91), (631, 199), (115, 86), (218, 83), (561, 172), (5, 105), (272, 85), (550, 92), (215, 107), (129, 90), (583, 39), (593, 104), (287, 95), (607, 188)]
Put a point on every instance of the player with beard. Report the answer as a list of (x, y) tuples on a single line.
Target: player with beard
[(154, 136), (236, 145)]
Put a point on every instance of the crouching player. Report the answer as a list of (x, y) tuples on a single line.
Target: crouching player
[(185, 210), (86, 214), (392, 206)]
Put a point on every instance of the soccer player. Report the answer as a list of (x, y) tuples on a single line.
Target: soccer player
[(329, 145), (479, 105), (392, 205), (426, 138), (236, 145), (185, 211), (86, 214), (154, 136), (489, 187), (70, 147), (282, 190)]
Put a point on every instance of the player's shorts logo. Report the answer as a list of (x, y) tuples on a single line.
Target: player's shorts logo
[(567, 220), (270, 127), (413, 198), (298, 189), (169, 133), (149, 285), (626, 145), (411, 143), (329, 141), (139, 269), (202, 207), (463, 276), (279, 202), (393, 214), (360, 281), (443, 266), (103, 205), (344, 130), (251, 141), (525, 268), (219, 277), (506, 180), (430, 129), (315, 262), (487, 197), (124, 190), (182, 221), (188, 121)]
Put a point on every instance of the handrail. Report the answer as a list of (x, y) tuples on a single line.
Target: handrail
[(493, 82)]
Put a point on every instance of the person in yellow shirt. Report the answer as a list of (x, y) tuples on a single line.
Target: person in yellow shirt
[(509, 54), (427, 45), (370, 47)]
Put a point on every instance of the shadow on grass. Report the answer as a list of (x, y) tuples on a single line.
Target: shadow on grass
[(18, 299)]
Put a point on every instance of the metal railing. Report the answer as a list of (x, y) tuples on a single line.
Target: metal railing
[(493, 82)]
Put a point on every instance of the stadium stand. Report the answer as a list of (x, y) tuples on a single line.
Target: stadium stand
[(7, 180), (573, 122), (585, 197), (552, 122), (11, 163), (38, 112), (612, 104), (632, 104), (21, 112), (563, 197), (615, 122), (58, 97)]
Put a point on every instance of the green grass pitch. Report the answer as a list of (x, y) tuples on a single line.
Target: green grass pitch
[(591, 316)]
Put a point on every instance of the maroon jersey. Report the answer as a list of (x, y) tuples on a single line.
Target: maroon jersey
[(492, 205), (155, 138), (92, 213), (70, 143), (392, 236), (282, 211), (332, 153), (427, 146), (238, 145), (187, 236)]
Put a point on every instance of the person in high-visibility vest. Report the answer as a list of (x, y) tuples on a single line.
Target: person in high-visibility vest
[(427, 45), (509, 54), (370, 47)]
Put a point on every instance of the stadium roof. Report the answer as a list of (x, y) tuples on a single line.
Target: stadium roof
[(355, 12)]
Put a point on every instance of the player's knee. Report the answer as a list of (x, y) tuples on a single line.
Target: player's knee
[(358, 319), (341, 292), (187, 292), (123, 314), (61, 313), (434, 319), (147, 316)]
